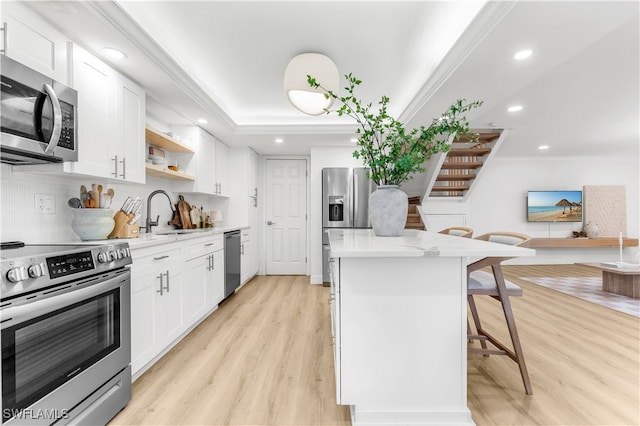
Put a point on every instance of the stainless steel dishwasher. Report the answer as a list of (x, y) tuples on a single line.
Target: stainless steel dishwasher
[(231, 262)]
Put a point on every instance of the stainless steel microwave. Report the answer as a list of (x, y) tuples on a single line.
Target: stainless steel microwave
[(38, 117)]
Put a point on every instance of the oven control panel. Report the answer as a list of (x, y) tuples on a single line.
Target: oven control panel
[(68, 264), (27, 268)]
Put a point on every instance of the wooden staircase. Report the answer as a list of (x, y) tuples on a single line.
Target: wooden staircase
[(462, 165), (413, 217)]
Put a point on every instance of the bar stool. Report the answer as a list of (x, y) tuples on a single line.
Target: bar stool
[(481, 283), (458, 231)]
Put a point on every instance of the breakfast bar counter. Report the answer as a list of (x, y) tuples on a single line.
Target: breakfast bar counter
[(398, 310)]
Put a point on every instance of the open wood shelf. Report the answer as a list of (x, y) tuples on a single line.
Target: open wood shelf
[(161, 171), (581, 242), (166, 142)]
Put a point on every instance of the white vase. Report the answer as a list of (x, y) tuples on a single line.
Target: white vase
[(388, 208), (592, 230), (92, 224)]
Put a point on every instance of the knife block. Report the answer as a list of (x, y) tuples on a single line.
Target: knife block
[(122, 229)]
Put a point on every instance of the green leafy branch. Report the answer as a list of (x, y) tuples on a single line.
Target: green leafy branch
[(392, 153)]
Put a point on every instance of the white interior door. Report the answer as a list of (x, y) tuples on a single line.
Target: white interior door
[(286, 217)]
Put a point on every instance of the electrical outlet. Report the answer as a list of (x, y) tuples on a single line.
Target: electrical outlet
[(45, 204)]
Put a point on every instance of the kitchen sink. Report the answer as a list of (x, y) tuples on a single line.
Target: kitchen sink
[(182, 231)]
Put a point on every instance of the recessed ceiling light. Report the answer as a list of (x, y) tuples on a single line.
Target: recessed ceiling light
[(514, 108), (279, 140), (114, 53), (523, 54), (202, 120), (543, 147)]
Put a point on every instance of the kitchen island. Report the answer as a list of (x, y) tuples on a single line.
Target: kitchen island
[(398, 310)]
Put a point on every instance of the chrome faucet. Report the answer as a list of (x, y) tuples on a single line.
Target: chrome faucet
[(150, 222)]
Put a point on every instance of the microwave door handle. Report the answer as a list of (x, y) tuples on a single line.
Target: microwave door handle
[(57, 120)]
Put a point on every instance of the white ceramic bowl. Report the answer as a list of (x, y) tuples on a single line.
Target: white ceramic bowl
[(156, 159), (92, 224)]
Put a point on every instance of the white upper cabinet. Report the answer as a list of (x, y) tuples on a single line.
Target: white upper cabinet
[(33, 42), (94, 80), (129, 146), (222, 159), (209, 164), (111, 121)]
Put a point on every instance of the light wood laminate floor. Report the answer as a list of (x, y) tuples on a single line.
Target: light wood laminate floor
[(265, 358)]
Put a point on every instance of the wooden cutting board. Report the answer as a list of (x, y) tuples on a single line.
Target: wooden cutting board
[(185, 213)]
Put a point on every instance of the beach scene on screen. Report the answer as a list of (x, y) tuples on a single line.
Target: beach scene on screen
[(554, 206)]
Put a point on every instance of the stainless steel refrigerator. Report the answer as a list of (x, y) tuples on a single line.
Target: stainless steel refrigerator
[(345, 204)]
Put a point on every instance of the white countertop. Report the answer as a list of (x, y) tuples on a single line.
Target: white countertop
[(148, 240), (414, 243)]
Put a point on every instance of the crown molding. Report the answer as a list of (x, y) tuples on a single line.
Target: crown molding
[(296, 129), (111, 14), (491, 14)]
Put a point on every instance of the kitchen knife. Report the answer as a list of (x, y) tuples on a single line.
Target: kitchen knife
[(127, 205), (136, 212), (137, 203)]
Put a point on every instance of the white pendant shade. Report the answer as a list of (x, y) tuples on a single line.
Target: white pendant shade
[(304, 97)]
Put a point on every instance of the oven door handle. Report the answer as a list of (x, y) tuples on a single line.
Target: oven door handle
[(17, 314)]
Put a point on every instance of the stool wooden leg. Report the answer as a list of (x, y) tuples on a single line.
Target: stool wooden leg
[(513, 331), (476, 318)]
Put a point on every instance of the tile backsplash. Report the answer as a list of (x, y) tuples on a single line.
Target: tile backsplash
[(19, 189)]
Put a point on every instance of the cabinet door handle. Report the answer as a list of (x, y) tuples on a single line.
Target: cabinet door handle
[(4, 38), (167, 287), (161, 257), (115, 160), (213, 263), (241, 248), (160, 291), (124, 168), (209, 244)]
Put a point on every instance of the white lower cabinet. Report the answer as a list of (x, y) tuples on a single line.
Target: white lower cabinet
[(215, 280), (193, 291), (156, 302), (334, 305), (173, 287), (247, 264), (204, 277)]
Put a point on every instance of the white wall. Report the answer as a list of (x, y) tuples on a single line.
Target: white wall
[(19, 221), (499, 200), (321, 158)]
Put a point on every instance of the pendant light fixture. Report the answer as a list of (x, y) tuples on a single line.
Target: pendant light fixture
[(304, 97)]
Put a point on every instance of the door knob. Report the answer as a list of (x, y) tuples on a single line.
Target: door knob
[(270, 222)]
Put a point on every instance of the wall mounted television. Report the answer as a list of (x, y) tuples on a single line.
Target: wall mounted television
[(554, 206)]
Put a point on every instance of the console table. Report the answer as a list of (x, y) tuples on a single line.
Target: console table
[(623, 281), (581, 242)]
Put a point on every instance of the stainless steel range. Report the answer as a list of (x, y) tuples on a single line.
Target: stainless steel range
[(66, 333)]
